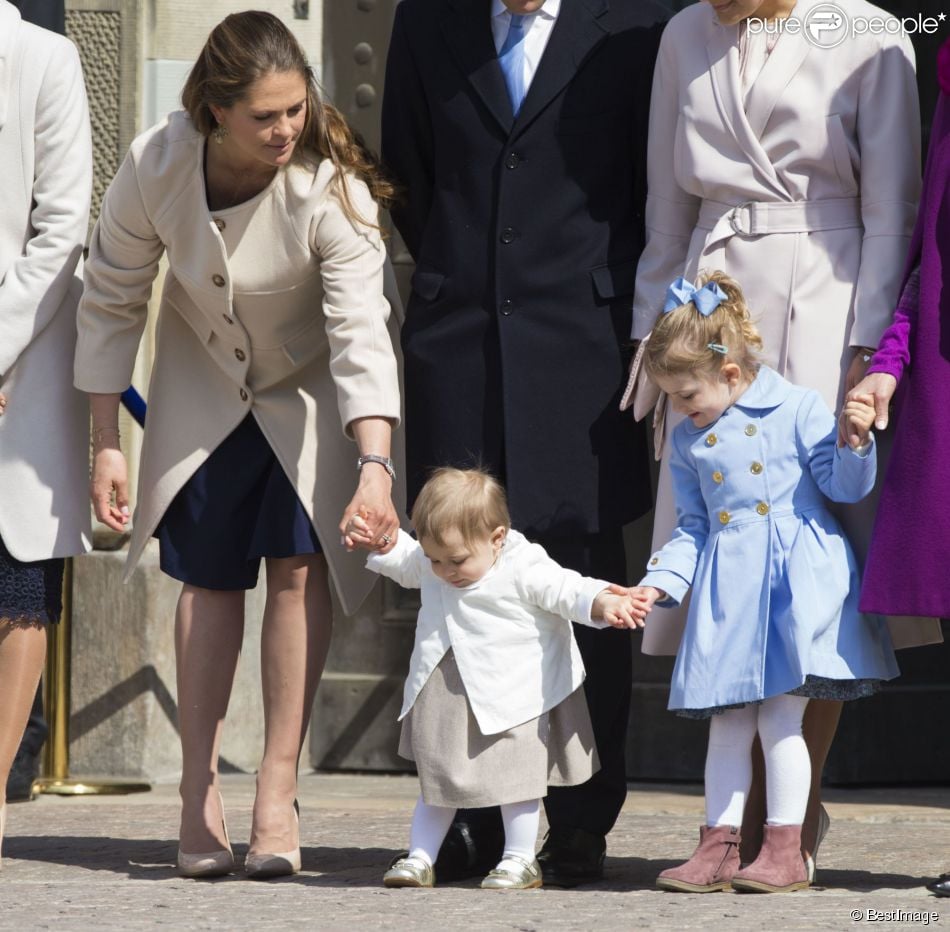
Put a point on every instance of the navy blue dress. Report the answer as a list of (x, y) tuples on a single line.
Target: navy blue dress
[(238, 507)]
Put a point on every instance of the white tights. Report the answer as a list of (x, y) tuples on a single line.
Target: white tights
[(778, 721), (431, 823)]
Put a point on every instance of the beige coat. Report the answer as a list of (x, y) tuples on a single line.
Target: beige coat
[(45, 186), (304, 374), (805, 192)]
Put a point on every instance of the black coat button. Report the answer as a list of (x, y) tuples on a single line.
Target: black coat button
[(508, 235), (507, 307), (513, 160)]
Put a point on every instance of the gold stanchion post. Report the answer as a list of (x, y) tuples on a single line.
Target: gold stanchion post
[(56, 777)]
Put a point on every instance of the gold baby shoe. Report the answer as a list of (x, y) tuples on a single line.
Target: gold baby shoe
[(527, 877), (409, 872)]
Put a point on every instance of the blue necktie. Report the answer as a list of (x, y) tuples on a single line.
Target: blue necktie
[(511, 59)]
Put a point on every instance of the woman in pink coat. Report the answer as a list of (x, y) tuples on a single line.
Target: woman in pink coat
[(772, 156)]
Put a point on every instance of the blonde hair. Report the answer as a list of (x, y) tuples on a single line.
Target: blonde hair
[(244, 47), (683, 339), (469, 501)]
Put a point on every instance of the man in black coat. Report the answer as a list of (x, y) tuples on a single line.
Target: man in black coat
[(524, 213)]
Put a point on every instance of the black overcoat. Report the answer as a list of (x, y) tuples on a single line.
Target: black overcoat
[(526, 233)]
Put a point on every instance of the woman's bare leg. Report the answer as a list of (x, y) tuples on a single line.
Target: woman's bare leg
[(754, 815), (22, 654), (298, 622), (818, 727), (209, 629)]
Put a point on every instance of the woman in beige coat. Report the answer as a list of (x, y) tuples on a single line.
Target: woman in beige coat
[(272, 350), (795, 168), (46, 183)]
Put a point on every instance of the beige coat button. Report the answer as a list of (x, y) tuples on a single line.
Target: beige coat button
[(717, 477), (243, 395), (724, 517), (756, 469), (219, 223), (228, 318), (218, 280), (711, 440), (750, 430), (240, 354), (762, 508)]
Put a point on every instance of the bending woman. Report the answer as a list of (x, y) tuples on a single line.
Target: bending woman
[(266, 207)]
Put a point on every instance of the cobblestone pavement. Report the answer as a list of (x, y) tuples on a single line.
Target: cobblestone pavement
[(107, 863)]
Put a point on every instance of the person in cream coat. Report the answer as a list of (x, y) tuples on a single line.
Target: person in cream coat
[(46, 171), (795, 169), (273, 354)]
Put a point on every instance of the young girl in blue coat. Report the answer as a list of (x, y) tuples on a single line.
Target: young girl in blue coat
[(773, 619)]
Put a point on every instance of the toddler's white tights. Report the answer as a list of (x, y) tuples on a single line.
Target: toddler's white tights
[(778, 721), (430, 824)]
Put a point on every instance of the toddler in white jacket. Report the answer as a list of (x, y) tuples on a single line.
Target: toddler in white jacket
[(493, 710)]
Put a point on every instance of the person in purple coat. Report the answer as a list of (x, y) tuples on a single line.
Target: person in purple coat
[(909, 554)]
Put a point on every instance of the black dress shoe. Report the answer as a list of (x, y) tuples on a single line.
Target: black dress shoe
[(571, 857), (469, 850), (25, 770), (940, 886)]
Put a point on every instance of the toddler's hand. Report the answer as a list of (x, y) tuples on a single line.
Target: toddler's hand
[(857, 419), (623, 607), (620, 611), (357, 532), (3, 402)]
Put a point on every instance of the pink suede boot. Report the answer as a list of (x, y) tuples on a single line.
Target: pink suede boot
[(712, 865), (779, 868)]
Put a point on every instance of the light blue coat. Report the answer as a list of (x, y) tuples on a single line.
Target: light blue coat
[(775, 581)]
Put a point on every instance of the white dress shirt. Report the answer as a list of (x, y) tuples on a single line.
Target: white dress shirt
[(537, 30), (510, 630)]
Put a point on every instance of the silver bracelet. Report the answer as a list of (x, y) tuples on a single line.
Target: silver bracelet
[(383, 461)]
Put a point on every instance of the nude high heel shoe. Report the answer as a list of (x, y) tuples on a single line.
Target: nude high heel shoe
[(208, 864), (263, 866), (811, 860)]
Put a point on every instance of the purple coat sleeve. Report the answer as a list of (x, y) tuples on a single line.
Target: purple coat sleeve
[(893, 352)]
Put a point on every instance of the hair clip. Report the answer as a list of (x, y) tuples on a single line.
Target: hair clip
[(705, 299), (718, 348)]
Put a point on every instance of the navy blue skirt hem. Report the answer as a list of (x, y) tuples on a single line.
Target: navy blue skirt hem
[(238, 508)]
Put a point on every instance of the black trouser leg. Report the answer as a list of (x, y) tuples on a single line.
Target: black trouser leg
[(594, 806)]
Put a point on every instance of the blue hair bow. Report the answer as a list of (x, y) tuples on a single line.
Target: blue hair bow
[(706, 299)]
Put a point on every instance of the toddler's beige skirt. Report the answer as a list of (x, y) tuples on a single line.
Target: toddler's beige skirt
[(460, 767)]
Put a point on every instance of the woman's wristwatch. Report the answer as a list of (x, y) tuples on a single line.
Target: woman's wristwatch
[(865, 352), (383, 461)]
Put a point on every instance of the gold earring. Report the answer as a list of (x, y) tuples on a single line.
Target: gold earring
[(220, 133)]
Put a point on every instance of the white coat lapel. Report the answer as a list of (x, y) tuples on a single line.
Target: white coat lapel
[(9, 28), (782, 65), (723, 51)]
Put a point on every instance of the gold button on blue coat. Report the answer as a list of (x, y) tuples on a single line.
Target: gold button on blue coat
[(724, 517), (711, 440), (762, 508), (717, 477), (756, 469), (750, 430), (654, 561)]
